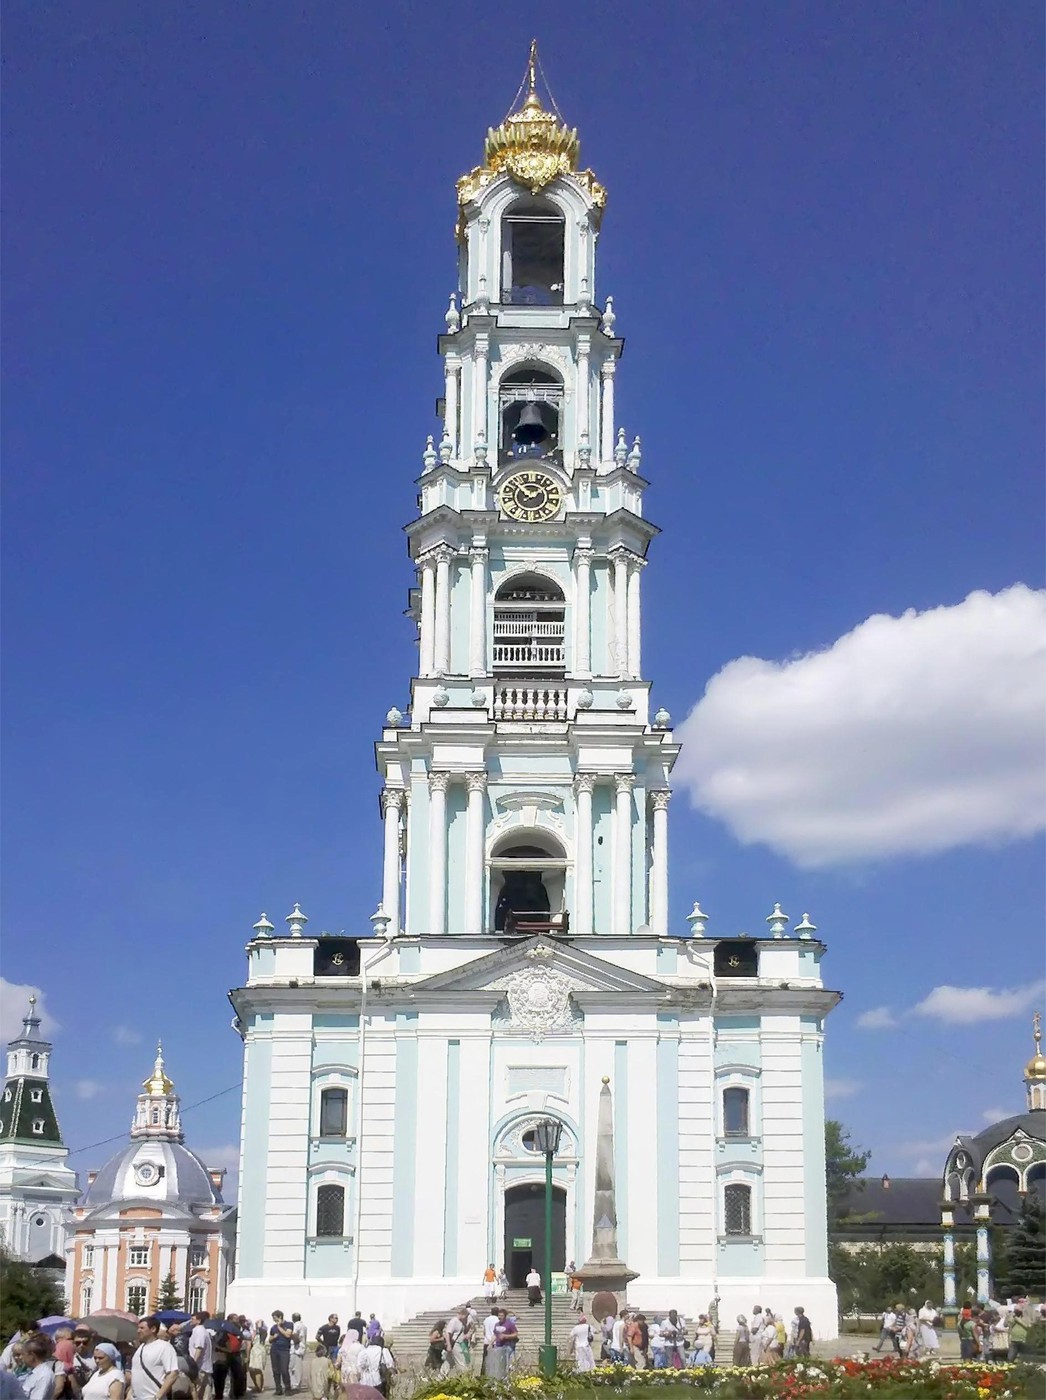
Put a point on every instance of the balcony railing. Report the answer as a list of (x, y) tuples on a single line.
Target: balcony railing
[(528, 654), (530, 702), (525, 625)]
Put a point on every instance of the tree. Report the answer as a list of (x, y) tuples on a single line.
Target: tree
[(844, 1164), (28, 1294), (168, 1297), (1023, 1266)]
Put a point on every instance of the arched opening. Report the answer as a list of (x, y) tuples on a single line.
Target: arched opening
[(530, 400), (1003, 1187), (532, 242), (529, 626), (525, 1231), (527, 882), (1035, 1181)]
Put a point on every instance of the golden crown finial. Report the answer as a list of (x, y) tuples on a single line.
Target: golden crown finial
[(1036, 1066), (158, 1082)]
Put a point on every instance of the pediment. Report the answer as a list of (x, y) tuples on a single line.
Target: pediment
[(576, 970)]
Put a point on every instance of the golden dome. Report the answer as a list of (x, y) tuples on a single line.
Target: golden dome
[(531, 145), (158, 1083), (1036, 1067)]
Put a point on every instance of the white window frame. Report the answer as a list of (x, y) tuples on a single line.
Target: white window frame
[(135, 1285), (36, 1095), (334, 1077), (739, 1077), (196, 1299), (38, 1125), (332, 1176), (87, 1256), (86, 1296), (198, 1256), (751, 1176), (138, 1249)]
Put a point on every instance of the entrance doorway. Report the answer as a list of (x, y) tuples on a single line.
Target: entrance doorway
[(525, 1231)]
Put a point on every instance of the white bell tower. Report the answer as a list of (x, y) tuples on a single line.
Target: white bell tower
[(528, 779)]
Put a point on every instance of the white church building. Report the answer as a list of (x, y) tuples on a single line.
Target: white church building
[(522, 953)]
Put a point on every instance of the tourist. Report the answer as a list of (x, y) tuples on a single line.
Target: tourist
[(967, 1336), (106, 1381), (435, 1357), (377, 1365), (154, 1365), (704, 1340), (374, 1329), (39, 1379), (1017, 1336), (616, 1340), (804, 1333), (658, 1351), (317, 1370), (296, 1360), (581, 1341), (929, 1345), (742, 1355), (757, 1335), (533, 1287), (66, 1386), (490, 1324), (574, 1286), (502, 1284), (674, 1333), (329, 1336), (201, 1353), (490, 1282), (256, 1358), (349, 1354), (637, 1339), (496, 1360), (84, 1342), (509, 1337), (280, 1335), (773, 1342), (452, 1335)]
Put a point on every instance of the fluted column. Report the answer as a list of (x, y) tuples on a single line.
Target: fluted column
[(621, 921), (582, 386), (450, 405), (635, 661), (583, 611), (581, 920), (476, 783), (659, 863), (391, 806), (478, 611), (427, 566), (438, 783), (479, 401), (619, 619), (441, 661), (606, 431)]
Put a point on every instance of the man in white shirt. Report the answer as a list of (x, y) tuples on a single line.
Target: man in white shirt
[(201, 1349), (154, 1366), (887, 1331), (301, 1333), (617, 1338), (452, 1333)]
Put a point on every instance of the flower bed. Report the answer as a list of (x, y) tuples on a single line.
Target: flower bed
[(851, 1379)]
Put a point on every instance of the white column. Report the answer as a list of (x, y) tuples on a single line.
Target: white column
[(635, 662), (428, 614), (438, 783), (582, 388), (441, 659), (659, 863), (478, 612), (621, 921), (583, 611), (475, 826), (391, 806), (619, 620), (606, 431), (581, 914), (450, 404), (479, 389)]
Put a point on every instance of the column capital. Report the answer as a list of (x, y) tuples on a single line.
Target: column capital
[(583, 554), (427, 560), (439, 780), (622, 552), (660, 798), (478, 553), (443, 553), (392, 799), (584, 782), (476, 780), (608, 369), (624, 782)]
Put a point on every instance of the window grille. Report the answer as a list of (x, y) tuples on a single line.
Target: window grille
[(330, 1210), (735, 1112), (737, 1209)]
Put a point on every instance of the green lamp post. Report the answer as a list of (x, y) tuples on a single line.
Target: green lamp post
[(546, 1140)]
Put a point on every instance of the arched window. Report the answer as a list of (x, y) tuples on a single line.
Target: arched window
[(138, 1297), (330, 1210), (334, 1112), (34, 1061), (527, 874), (532, 241), (735, 1112), (530, 401), (529, 626), (86, 1296), (737, 1209)]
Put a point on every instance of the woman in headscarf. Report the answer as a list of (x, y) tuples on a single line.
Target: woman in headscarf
[(66, 1386), (742, 1342), (106, 1381)]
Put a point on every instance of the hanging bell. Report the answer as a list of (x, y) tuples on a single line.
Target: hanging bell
[(530, 429)]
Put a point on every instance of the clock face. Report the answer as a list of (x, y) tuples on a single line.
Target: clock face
[(531, 497), (146, 1173)]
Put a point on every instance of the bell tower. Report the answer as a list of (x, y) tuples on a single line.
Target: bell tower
[(527, 789)]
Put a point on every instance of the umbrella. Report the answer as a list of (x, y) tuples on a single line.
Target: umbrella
[(219, 1324), (114, 1327), (52, 1324), (115, 1312), (172, 1315), (363, 1392)]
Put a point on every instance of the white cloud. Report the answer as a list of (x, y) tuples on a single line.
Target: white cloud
[(124, 1035), (995, 1115), (841, 1088), (87, 1088), (14, 1005), (965, 1006), (924, 1166), (879, 1018), (908, 735)]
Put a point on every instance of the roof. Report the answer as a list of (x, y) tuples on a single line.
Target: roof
[(19, 1110), (153, 1169), (908, 1200), (1032, 1123)]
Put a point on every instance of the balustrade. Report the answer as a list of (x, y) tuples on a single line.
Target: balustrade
[(530, 702)]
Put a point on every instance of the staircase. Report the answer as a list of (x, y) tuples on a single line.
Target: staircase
[(410, 1340)]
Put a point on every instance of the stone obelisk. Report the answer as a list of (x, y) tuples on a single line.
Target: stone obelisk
[(604, 1271)]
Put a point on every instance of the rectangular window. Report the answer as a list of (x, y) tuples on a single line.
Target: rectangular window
[(38, 1125), (37, 1095), (737, 1209), (138, 1256), (735, 1112), (197, 1296), (330, 1211), (138, 1298), (198, 1256), (87, 1257), (86, 1295), (334, 1112)]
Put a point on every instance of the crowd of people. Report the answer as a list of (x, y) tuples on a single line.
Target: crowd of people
[(629, 1339)]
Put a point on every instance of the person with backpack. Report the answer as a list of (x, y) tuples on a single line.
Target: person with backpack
[(377, 1365), (804, 1333), (581, 1342)]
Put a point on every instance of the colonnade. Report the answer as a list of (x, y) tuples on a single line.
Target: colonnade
[(582, 902)]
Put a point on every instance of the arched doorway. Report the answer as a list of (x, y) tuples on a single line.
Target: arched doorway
[(526, 879), (525, 1231)]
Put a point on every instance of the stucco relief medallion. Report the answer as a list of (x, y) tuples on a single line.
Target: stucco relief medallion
[(539, 1001)]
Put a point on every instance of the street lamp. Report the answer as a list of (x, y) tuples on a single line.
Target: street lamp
[(546, 1140)]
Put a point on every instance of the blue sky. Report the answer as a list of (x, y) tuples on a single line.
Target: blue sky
[(228, 249)]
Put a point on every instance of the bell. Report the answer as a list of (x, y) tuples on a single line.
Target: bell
[(530, 429)]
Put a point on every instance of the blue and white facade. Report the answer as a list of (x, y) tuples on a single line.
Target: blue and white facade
[(522, 949)]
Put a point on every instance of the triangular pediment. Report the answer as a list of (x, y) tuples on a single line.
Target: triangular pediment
[(577, 969)]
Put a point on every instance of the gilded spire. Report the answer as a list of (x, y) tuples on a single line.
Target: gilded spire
[(158, 1083), (1035, 1069)]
